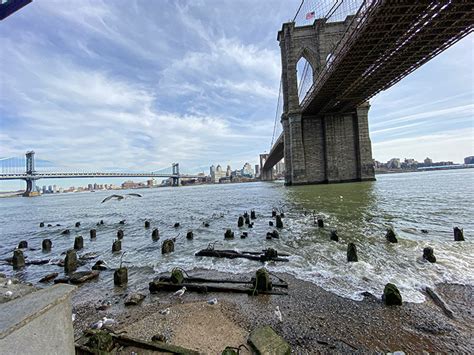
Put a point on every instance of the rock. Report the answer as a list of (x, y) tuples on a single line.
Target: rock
[(391, 296), (116, 246), (70, 261), (279, 222), (18, 259), (240, 222), (270, 223), (83, 276), (176, 225), (147, 224), (205, 224), (351, 252), (121, 276), (428, 254), (41, 224), (424, 231), (252, 214), (120, 234), (247, 220), (65, 232), (49, 277), (134, 299), (244, 235), (334, 236), (159, 338), (320, 222), (23, 244), (262, 280), (189, 235), (269, 235), (167, 246), (101, 221), (274, 213), (93, 233), (50, 225), (99, 265), (88, 256), (62, 280), (229, 234), (37, 262), (155, 234), (275, 234), (458, 234), (58, 225), (78, 243), (78, 224), (122, 221), (391, 236), (46, 245), (265, 340)]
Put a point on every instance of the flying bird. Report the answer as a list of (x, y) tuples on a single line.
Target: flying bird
[(278, 314), (120, 197)]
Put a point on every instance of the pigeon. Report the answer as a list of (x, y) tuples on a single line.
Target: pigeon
[(97, 325), (212, 301), (9, 293), (180, 293), (108, 321), (165, 311), (278, 314)]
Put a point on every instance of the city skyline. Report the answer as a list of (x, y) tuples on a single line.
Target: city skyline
[(201, 97)]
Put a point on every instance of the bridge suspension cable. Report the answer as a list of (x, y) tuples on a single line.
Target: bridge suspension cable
[(278, 110)]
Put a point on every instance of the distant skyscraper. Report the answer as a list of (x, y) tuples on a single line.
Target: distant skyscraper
[(228, 171), (469, 160), (428, 161), (247, 170), (257, 170)]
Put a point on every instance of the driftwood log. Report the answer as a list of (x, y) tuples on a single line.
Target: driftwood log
[(232, 254)]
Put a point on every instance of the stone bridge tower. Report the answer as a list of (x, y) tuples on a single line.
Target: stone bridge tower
[(320, 148)]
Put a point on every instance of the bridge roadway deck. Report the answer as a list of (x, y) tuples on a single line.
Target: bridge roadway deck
[(89, 175)]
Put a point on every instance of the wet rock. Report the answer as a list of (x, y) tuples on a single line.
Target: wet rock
[(120, 234), (147, 224), (320, 222), (228, 234), (122, 221), (190, 235), (50, 225), (83, 276), (70, 261), (351, 253), (49, 277), (159, 338), (205, 224), (391, 236), (275, 234), (41, 224), (262, 280), (65, 232), (155, 234), (46, 245), (269, 235), (134, 299), (116, 246), (244, 235), (391, 296), (167, 246), (265, 340), (428, 254), (424, 231), (274, 213), (88, 256), (23, 244), (93, 233), (252, 215), (78, 243), (334, 236), (176, 225), (121, 276), (247, 220), (99, 265), (61, 280), (458, 234), (240, 222), (18, 259), (58, 225), (270, 223), (78, 224), (279, 222), (282, 214)]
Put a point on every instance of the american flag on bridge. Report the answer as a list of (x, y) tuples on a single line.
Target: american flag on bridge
[(310, 15)]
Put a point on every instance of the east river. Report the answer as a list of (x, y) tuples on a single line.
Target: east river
[(361, 212)]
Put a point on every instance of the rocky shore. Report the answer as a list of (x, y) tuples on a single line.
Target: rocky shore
[(313, 320)]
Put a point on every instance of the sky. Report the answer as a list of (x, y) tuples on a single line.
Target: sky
[(137, 85)]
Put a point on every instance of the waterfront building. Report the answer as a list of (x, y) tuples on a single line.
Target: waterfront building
[(45, 190), (216, 174), (428, 161), (228, 171), (469, 160), (247, 171), (50, 189), (394, 163)]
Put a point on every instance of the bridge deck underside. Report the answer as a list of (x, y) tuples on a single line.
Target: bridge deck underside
[(391, 40), (276, 154)]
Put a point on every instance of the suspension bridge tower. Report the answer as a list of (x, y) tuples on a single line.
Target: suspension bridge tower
[(175, 174), (30, 175)]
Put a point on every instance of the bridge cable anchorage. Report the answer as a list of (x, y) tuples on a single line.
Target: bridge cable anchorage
[(276, 113)]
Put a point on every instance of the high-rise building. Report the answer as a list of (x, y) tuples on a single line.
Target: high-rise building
[(394, 163), (469, 160), (257, 170), (428, 161), (228, 171), (55, 189), (217, 173), (45, 190), (247, 171)]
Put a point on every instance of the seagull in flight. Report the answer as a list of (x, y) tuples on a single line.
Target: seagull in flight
[(120, 197)]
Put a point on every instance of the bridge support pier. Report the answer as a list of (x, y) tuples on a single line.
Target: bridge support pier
[(328, 149), (266, 174), (30, 188)]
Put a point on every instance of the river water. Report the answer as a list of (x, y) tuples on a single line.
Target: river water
[(436, 201)]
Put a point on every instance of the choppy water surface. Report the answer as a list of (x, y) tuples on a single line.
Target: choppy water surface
[(435, 201)]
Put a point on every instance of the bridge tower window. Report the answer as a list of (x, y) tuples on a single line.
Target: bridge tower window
[(304, 75)]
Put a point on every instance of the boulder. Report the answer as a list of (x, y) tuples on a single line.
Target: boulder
[(190, 235), (228, 234), (391, 296), (23, 244), (252, 214), (78, 243), (70, 261), (78, 224), (120, 234), (93, 233), (428, 254), (240, 222), (351, 252), (155, 234), (134, 299), (46, 245), (18, 259), (83, 276), (147, 224), (99, 265), (49, 277), (391, 236), (41, 224), (116, 246), (270, 223), (334, 236), (176, 225), (279, 222), (320, 222), (167, 246), (458, 234), (265, 340), (121, 276)]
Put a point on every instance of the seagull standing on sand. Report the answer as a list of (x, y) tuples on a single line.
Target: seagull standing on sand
[(278, 314), (108, 321), (9, 293), (97, 325), (165, 311), (212, 301), (179, 294)]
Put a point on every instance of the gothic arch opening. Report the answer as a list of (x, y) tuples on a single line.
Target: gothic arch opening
[(304, 76)]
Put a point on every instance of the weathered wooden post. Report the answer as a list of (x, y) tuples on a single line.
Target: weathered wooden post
[(391, 236), (279, 222), (120, 234), (23, 244), (18, 259), (229, 234), (352, 253), (78, 243), (240, 222), (70, 261), (93, 233), (334, 236), (155, 234), (46, 245), (458, 234), (190, 235), (116, 246), (167, 246), (147, 224)]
